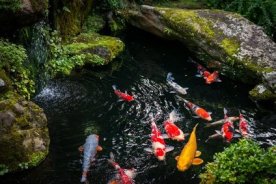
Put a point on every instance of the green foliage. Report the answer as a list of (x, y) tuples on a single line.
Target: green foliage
[(10, 5), (93, 23), (3, 169), (261, 12), (243, 162), (13, 59)]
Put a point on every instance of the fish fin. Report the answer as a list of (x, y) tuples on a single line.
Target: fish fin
[(225, 112), (218, 80), (237, 131), (165, 136), (196, 117), (169, 148), (208, 125), (218, 132), (210, 113), (131, 173), (112, 157), (186, 134), (172, 92), (149, 150), (120, 100), (198, 153), (237, 135), (170, 77), (186, 89), (83, 179), (176, 158), (114, 87), (125, 91), (197, 161), (198, 75)]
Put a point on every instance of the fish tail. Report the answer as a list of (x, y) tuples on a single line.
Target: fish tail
[(174, 116), (225, 112), (112, 161), (195, 126), (83, 179), (114, 87), (170, 77)]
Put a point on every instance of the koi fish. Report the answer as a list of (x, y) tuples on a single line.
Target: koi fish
[(213, 77), (124, 176), (177, 88), (221, 122), (198, 111), (159, 148), (227, 129), (188, 154), (89, 150), (173, 132), (123, 96), (209, 77), (243, 126)]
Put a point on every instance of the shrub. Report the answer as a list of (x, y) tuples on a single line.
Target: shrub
[(243, 162)]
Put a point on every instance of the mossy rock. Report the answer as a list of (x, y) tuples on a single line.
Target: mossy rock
[(244, 52), (23, 133), (15, 14), (69, 16), (262, 93), (86, 49), (93, 23)]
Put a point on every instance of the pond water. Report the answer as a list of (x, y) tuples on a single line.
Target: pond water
[(81, 104)]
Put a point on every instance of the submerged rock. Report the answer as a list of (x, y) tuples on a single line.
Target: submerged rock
[(24, 138), (86, 49), (16, 14), (244, 52)]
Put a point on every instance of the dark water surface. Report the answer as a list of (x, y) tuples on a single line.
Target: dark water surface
[(83, 104)]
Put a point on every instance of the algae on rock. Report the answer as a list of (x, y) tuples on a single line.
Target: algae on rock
[(86, 49), (23, 133)]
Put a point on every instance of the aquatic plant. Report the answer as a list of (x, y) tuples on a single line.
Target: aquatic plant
[(13, 61), (261, 12), (242, 162)]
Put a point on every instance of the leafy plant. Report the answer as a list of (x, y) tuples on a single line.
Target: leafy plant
[(261, 12), (10, 5), (12, 60), (3, 169), (243, 162)]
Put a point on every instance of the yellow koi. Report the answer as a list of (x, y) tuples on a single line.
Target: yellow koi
[(188, 154)]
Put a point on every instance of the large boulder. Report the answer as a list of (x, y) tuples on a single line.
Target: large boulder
[(15, 14), (223, 40), (24, 138)]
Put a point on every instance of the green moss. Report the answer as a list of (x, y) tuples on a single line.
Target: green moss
[(10, 5), (37, 157), (187, 22), (261, 93), (87, 48), (230, 46), (93, 23), (69, 18)]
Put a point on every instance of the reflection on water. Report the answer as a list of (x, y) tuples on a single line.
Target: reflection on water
[(79, 105)]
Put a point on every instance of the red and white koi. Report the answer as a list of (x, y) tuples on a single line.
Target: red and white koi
[(124, 176), (227, 129), (123, 96), (173, 132), (159, 148), (198, 111), (243, 126), (209, 77)]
